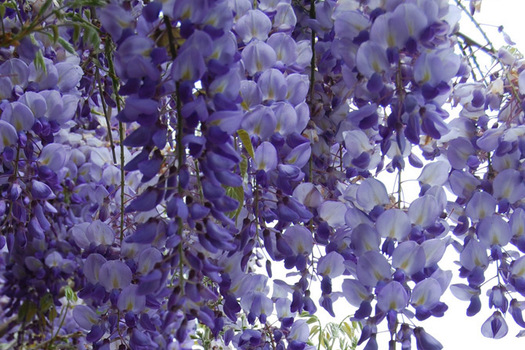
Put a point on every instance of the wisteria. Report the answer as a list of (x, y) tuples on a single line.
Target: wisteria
[(163, 162)]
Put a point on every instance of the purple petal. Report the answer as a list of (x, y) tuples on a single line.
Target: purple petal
[(265, 157), (9, 135), (372, 267), (18, 115), (85, 317), (129, 300), (258, 56), (393, 296), (393, 223), (253, 24), (495, 326), (409, 256), (115, 274)]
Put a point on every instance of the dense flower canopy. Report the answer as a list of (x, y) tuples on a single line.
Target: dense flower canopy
[(159, 159)]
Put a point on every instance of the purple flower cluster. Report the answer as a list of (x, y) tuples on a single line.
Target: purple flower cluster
[(155, 155)]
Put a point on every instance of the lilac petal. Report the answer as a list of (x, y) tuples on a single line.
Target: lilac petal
[(372, 267), (355, 293), (227, 121), (36, 103), (69, 75), (425, 341), (18, 115), (435, 174), (114, 274), (518, 267), (434, 250), (273, 85), (458, 152), (463, 183), (46, 79), (114, 20), (17, 70), (92, 267), (260, 121), (371, 192), (6, 88), (284, 19), (226, 87), (333, 212), (147, 260), (54, 259), (265, 157), (517, 223), (286, 118), (426, 293), (251, 94), (9, 135), (509, 184), (307, 194), (515, 310), (100, 233), (129, 300), (495, 326), (409, 256), (393, 223), (393, 296), (331, 265), (297, 88), (40, 190), (493, 230), (474, 255), (85, 317), (464, 292), (300, 155), (480, 206), (189, 65), (253, 24), (424, 211), (299, 238), (371, 58), (53, 156), (285, 47), (364, 238), (258, 56)]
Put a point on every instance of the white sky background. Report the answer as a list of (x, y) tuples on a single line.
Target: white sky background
[(455, 330)]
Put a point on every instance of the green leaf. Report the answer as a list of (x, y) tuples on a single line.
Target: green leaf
[(44, 8), (71, 296), (27, 311), (55, 33), (46, 302), (2, 10), (76, 32), (52, 314), (236, 193), (311, 320), (246, 142), (66, 45), (39, 61), (91, 36), (243, 166)]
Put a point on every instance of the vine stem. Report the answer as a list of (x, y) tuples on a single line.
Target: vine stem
[(107, 116), (115, 83), (178, 142)]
